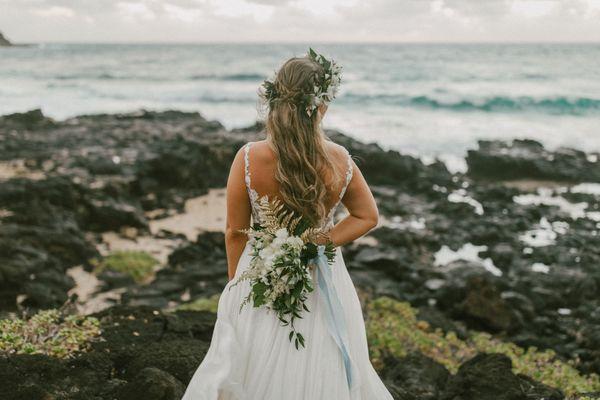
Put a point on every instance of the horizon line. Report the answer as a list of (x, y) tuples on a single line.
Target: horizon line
[(365, 42)]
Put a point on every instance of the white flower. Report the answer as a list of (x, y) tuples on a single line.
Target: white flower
[(281, 233), (277, 242), (266, 252), (295, 242)]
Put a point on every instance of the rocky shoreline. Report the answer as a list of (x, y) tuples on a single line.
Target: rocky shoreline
[(510, 248)]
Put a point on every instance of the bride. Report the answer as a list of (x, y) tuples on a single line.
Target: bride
[(250, 356)]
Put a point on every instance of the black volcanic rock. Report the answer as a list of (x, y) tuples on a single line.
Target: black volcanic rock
[(421, 377), (103, 172), (95, 173), (489, 376), (528, 159), (199, 267), (153, 384), (389, 167), (143, 351)]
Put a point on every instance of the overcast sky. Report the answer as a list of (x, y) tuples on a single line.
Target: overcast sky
[(300, 20)]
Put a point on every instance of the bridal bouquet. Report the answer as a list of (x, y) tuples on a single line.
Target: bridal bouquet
[(279, 270)]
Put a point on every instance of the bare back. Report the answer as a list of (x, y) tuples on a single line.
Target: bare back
[(260, 164), (252, 174)]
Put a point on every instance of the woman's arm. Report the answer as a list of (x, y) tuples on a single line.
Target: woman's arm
[(363, 215), (238, 213)]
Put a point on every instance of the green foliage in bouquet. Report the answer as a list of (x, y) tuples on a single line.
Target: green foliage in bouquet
[(48, 332), (280, 270)]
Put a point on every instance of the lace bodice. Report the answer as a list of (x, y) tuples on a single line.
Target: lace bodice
[(253, 195)]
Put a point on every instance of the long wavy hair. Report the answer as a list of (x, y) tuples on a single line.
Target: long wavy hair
[(298, 142)]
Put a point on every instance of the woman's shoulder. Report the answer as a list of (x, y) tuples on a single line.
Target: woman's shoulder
[(336, 146), (261, 151), (258, 145), (336, 151)]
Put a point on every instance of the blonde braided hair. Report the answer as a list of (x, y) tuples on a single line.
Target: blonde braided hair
[(298, 140)]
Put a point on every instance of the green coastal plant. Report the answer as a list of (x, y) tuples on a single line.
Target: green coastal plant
[(48, 332), (393, 327), (201, 304), (138, 264)]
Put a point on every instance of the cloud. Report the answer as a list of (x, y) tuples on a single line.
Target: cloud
[(533, 8), (182, 13), (56, 12), (323, 8), (301, 20), (438, 7), (239, 8), (135, 10)]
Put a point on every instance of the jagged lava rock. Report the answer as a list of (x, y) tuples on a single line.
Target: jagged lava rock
[(528, 159), (490, 377)]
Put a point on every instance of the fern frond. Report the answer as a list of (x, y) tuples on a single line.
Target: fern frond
[(294, 223), (309, 235)]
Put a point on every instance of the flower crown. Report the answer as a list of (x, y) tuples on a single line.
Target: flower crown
[(325, 88)]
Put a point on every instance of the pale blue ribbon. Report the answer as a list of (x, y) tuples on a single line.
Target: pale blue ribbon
[(334, 313)]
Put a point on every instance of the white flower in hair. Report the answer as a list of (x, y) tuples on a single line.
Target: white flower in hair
[(326, 87), (324, 90)]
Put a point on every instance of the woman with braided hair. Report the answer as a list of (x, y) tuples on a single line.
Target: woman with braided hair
[(251, 356)]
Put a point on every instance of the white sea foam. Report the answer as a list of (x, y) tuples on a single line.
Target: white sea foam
[(587, 188), (397, 222), (421, 99), (460, 196), (467, 252), (545, 234), (546, 196), (540, 267)]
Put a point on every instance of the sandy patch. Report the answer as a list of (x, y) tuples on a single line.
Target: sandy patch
[(531, 185), (17, 169), (204, 213), (86, 288)]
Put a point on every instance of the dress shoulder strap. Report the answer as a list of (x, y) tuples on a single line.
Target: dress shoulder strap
[(349, 172), (247, 165), (252, 194)]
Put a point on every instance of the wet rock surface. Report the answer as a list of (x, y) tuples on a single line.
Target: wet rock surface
[(100, 173), (526, 158), (468, 250), (489, 376)]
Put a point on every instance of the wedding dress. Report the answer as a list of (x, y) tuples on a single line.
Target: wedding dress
[(250, 355)]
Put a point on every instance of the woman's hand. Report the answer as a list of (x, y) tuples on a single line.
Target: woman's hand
[(323, 238)]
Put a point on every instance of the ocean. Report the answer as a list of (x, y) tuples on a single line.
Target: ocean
[(431, 100)]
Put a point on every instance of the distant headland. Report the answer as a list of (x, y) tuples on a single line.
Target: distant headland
[(4, 41)]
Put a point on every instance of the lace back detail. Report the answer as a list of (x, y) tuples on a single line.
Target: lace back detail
[(329, 219), (252, 194)]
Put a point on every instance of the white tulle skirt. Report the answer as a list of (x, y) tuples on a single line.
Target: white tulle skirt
[(251, 358)]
